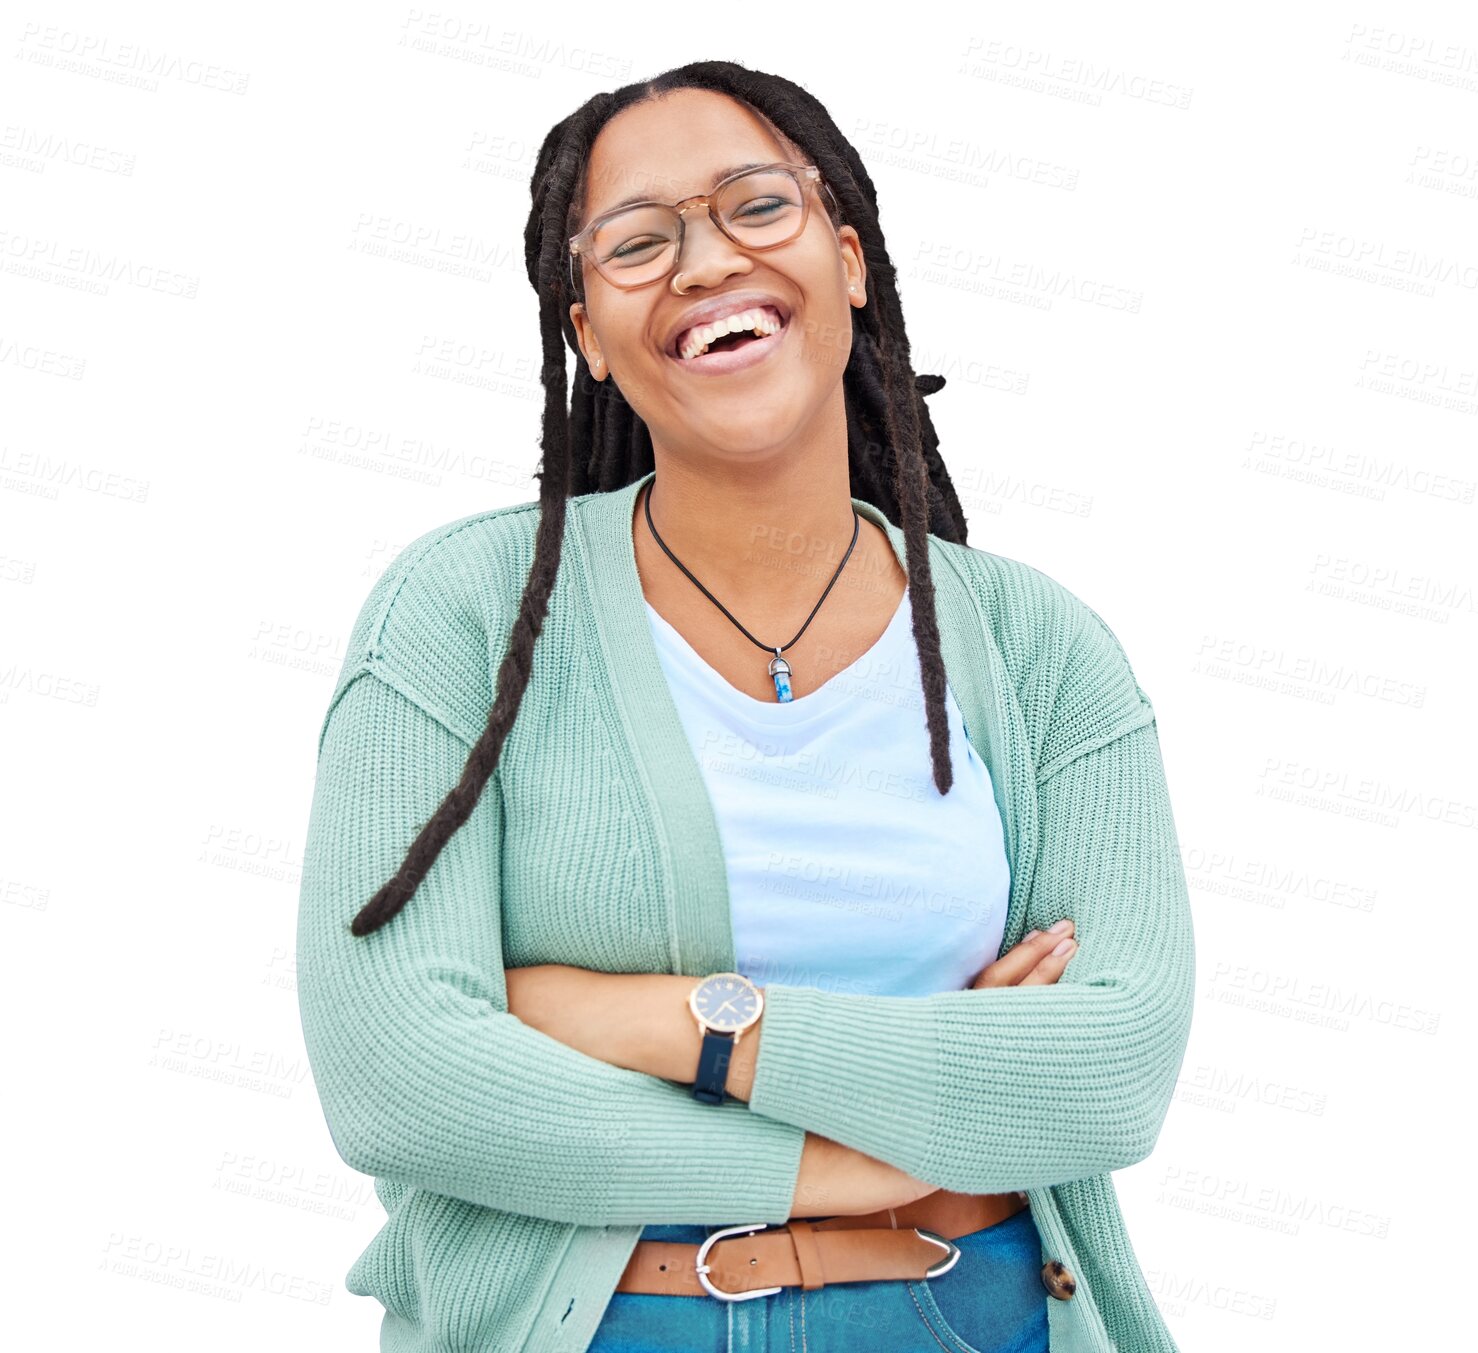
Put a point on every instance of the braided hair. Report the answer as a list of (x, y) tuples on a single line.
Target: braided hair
[(593, 441)]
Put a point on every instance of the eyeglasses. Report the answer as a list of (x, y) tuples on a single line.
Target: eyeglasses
[(641, 243)]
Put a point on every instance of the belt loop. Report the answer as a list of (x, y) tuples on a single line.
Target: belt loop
[(807, 1254)]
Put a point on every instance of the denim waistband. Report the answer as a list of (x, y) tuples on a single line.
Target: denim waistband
[(689, 1233)]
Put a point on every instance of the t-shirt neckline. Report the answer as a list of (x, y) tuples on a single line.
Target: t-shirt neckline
[(802, 707)]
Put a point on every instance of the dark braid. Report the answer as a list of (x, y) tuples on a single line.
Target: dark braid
[(593, 440)]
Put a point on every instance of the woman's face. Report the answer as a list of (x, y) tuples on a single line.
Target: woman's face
[(671, 148)]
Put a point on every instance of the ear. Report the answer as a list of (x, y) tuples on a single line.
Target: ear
[(589, 343), (853, 265)]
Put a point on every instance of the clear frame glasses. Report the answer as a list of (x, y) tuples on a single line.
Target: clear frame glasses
[(642, 242)]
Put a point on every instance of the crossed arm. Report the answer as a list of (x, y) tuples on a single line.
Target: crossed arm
[(641, 1021), (427, 1076), (981, 1091)]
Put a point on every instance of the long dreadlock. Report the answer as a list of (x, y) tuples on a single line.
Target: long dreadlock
[(593, 441)]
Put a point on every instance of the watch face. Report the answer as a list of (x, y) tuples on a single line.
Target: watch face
[(726, 1002)]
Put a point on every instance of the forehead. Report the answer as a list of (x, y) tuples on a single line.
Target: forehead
[(675, 146)]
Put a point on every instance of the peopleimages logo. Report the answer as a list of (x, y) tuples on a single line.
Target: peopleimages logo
[(204, 1273), (1315, 1001), (1227, 1195)]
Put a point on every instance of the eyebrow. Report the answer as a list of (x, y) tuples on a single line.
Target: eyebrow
[(717, 179)]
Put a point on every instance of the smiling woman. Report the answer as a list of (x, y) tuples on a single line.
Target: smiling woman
[(561, 833)]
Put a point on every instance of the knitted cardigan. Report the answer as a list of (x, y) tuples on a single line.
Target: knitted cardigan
[(516, 1173)]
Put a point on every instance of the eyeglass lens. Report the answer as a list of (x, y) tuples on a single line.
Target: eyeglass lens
[(762, 208)]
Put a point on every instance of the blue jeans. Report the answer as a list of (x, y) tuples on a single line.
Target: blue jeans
[(991, 1301)]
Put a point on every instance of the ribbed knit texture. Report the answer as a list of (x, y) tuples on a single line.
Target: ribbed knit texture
[(516, 1173), (988, 1091)]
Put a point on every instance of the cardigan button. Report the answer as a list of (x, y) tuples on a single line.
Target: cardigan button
[(1058, 1280)]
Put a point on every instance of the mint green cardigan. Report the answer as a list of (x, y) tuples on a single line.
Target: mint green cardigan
[(517, 1173)]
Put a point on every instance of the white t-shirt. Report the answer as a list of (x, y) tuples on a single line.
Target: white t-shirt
[(847, 869)]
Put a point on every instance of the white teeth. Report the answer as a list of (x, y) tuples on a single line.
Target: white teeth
[(762, 320)]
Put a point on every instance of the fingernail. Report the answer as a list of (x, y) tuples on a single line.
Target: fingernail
[(1030, 933), (1066, 947), (1059, 927)]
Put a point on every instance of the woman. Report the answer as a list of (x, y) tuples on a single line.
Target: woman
[(633, 1004)]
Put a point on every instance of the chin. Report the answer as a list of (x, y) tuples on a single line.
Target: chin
[(747, 432), (770, 405)]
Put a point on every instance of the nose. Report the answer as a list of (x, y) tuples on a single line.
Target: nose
[(707, 254)]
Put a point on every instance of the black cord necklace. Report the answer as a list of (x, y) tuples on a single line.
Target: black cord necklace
[(779, 667)]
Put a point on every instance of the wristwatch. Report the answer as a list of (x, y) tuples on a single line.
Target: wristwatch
[(725, 1004)]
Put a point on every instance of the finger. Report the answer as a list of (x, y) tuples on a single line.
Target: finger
[(1021, 958), (1052, 965)]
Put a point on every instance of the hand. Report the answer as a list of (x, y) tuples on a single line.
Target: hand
[(1030, 963)]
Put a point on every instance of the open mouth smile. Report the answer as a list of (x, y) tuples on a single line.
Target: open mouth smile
[(733, 344)]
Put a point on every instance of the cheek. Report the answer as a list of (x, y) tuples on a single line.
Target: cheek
[(824, 326), (624, 334), (825, 335)]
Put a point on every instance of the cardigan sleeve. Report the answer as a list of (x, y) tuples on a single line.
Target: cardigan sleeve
[(1017, 1087), (423, 1075)]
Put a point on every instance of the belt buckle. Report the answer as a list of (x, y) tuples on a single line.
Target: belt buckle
[(705, 1269), (944, 1265)]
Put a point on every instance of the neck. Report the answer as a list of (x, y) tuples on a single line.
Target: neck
[(768, 538)]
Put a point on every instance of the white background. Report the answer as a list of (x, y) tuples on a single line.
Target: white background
[(1203, 285)]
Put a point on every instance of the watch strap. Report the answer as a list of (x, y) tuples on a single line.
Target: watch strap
[(713, 1066)]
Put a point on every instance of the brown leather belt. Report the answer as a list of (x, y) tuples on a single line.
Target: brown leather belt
[(743, 1262)]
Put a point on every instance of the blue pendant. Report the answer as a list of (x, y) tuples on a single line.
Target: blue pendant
[(780, 671)]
